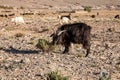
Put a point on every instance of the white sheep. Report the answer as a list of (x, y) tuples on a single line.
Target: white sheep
[(18, 20), (64, 18)]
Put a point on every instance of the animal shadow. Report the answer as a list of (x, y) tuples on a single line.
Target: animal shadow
[(17, 51)]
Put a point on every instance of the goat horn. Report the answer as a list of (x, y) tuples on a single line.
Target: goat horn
[(61, 32)]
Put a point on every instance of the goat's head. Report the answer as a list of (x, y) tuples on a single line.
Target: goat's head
[(57, 37)]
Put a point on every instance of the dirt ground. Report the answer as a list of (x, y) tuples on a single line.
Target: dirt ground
[(21, 60), (62, 4)]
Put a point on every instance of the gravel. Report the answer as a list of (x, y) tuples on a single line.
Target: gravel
[(21, 60)]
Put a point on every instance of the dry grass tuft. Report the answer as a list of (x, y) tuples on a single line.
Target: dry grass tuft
[(44, 45), (19, 35), (55, 76)]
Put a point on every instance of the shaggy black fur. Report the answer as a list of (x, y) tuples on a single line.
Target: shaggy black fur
[(73, 33)]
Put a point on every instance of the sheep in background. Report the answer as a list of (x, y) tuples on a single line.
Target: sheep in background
[(18, 20), (64, 18)]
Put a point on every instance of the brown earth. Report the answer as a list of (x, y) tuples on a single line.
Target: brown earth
[(62, 4), (21, 60)]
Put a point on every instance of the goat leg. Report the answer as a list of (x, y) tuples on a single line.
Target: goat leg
[(66, 49), (88, 51)]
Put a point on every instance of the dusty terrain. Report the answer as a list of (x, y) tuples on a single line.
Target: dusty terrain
[(21, 60), (62, 4)]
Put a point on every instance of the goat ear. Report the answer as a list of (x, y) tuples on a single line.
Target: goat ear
[(61, 32)]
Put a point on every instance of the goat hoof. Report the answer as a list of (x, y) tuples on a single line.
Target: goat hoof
[(65, 52), (86, 55)]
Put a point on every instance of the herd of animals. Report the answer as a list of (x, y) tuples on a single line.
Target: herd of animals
[(76, 33)]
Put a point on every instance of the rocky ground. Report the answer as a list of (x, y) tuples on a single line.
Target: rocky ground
[(21, 60), (62, 4)]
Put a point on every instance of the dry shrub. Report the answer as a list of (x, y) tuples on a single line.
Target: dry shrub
[(93, 16), (55, 76), (44, 45), (87, 8), (19, 35), (117, 66), (6, 7)]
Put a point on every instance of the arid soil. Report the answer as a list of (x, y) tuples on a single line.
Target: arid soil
[(62, 4), (21, 60)]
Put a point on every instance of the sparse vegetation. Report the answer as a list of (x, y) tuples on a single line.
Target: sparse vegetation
[(22, 7), (6, 7), (104, 78), (1, 48), (19, 34), (93, 16), (76, 16), (118, 64), (117, 67), (11, 65), (79, 56), (9, 28), (43, 44), (31, 42), (87, 8), (55, 76), (20, 60)]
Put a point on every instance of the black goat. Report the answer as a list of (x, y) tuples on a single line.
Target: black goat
[(117, 16), (73, 33)]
